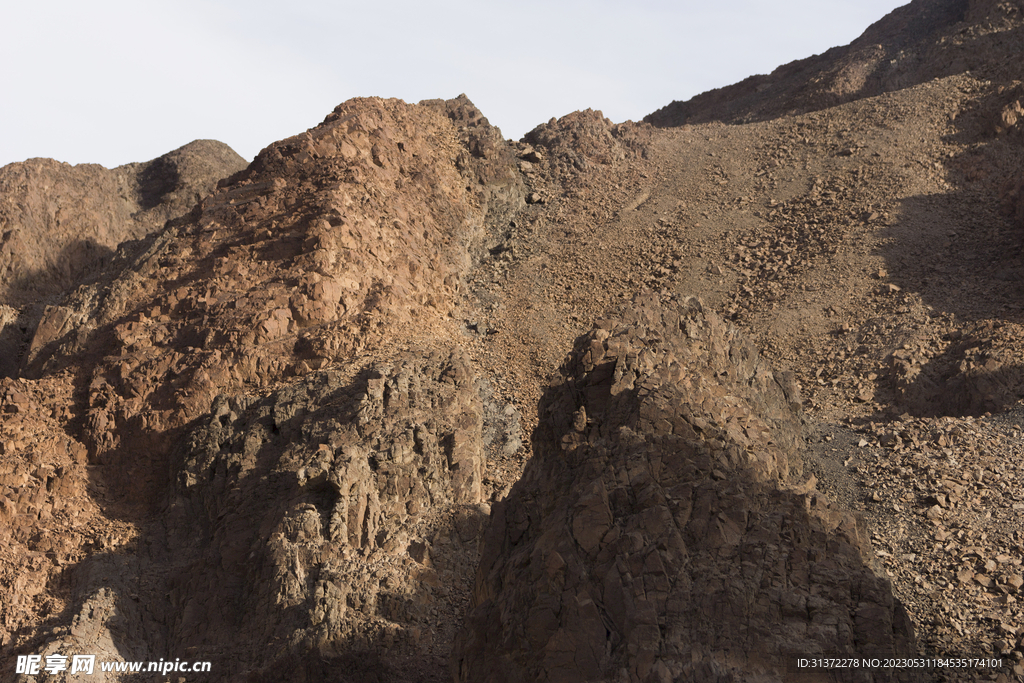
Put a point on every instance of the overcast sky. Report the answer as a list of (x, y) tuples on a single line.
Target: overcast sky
[(114, 81)]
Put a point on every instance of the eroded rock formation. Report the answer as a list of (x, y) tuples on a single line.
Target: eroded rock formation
[(329, 245), (338, 515), (656, 535), (60, 223)]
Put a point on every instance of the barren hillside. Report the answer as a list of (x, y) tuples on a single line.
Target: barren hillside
[(685, 400)]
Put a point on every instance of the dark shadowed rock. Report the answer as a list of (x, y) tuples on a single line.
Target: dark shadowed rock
[(336, 517), (655, 535)]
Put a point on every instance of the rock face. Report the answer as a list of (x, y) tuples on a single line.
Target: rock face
[(653, 536), (339, 516), (329, 245), (61, 223), (335, 516)]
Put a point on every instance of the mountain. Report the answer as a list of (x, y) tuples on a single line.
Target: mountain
[(60, 224), (914, 44), (682, 400)]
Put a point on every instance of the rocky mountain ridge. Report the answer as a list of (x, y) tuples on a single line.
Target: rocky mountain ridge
[(405, 401)]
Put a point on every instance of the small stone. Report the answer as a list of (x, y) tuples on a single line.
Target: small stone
[(532, 155)]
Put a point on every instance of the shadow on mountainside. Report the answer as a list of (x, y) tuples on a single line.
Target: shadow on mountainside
[(239, 537), (964, 256), (78, 263), (643, 537)]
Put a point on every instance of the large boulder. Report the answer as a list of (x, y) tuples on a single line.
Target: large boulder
[(655, 535)]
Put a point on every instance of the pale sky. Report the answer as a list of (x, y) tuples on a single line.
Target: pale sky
[(115, 81)]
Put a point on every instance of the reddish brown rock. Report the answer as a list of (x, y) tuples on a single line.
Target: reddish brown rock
[(329, 245), (582, 138), (49, 520), (61, 223), (338, 515)]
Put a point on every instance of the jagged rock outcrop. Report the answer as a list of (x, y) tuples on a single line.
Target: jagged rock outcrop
[(582, 138), (913, 44), (655, 535), (329, 245), (338, 515), (61, 223), (489, 165), (334, 522)]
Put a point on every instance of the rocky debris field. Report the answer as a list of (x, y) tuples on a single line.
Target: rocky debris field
[(405, 401)]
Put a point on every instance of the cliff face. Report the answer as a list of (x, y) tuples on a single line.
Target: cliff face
[(338, 246), (60, 224), (405, 401)]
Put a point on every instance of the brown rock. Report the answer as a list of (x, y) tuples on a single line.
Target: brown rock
[(619, 554), (61, 223), (351, 231)]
